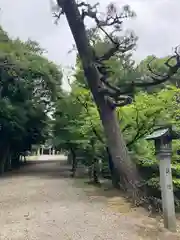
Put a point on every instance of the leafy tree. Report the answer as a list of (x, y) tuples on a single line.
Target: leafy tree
[(83, 130), (28, 89), (65, 116), (107, 97), (72, 126)]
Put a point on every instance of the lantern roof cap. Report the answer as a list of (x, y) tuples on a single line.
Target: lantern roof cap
[(161, 131), (157, 134)]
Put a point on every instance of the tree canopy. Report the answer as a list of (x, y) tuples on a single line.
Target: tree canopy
[(78, 126), (29, 85)]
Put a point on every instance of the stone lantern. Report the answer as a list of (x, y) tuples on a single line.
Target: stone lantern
[(162, 138)]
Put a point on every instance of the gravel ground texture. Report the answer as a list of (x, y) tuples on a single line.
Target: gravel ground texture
[(40, 202)]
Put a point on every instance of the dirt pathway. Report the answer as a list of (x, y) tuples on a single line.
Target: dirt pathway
[(40, 202)]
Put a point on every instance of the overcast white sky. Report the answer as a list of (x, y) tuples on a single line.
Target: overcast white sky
[(157, 26)]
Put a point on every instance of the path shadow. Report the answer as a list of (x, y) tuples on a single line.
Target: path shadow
[(105, 189), (57, 169), (42, 169), (115, 200)]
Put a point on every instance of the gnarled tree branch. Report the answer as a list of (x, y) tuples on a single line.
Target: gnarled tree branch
[(153, 78), (114, 19)]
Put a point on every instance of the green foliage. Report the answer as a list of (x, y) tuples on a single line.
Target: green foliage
[(152, 106), (29, 87), (80, 117), (73, 124)]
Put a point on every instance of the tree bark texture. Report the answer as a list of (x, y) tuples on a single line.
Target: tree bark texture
[(126, 168), (74, 161), (3, 158)]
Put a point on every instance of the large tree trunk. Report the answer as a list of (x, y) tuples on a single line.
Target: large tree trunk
[(74, 161), (115, 141), (95, 163), (3, 158), (7, 166), (15, 161), (114, 173), (96, 171)]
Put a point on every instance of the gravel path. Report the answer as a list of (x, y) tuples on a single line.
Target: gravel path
[(40, 202)]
